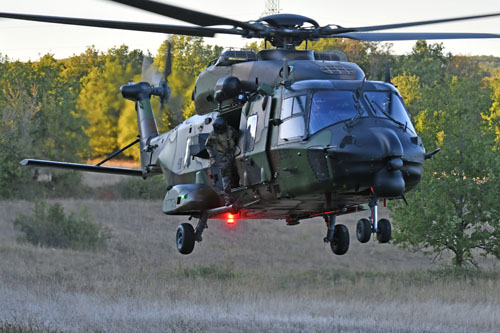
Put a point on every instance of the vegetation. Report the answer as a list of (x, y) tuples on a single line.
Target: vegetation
[(256, 275), (455, 207), (72, 110), (49, 226), (153, 188)]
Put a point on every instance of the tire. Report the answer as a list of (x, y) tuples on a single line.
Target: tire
[(363, 230), (384, 231), (340, 243), (185, 238)]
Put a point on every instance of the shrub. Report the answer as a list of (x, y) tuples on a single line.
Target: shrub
[(49, 226), (153, 188)]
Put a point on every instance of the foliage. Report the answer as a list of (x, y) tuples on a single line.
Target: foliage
[(137, 188), (493, 117), (17, 127), (255, 46), (425, 61), (410, 89), (190, 56), (455, 207), (371, 57), (37, 120), (49, 226), (101, 103), (488, 63)]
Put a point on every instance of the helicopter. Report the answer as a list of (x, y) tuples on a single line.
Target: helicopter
[(315, 137)]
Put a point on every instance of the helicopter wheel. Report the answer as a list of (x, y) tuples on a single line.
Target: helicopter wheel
[(185, 238), (384, 231), (340, 242), (363, 230)]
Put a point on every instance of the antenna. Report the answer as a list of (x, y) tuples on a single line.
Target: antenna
[(272, 7)]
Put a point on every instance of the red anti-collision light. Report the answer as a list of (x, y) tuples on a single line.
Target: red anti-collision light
[(230, 219)]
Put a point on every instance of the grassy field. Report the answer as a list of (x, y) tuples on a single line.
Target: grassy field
[(253, 276)]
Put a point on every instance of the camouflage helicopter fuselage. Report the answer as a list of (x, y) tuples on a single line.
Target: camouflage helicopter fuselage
[(316, 139)]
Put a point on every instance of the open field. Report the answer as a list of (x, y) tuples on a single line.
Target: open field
[(254, 276)]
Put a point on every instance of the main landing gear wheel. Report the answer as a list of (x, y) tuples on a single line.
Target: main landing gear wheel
[(384, 231), (363, 230), (185, 238), (340, 241)]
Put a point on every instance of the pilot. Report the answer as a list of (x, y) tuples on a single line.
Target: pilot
[(221, 145)]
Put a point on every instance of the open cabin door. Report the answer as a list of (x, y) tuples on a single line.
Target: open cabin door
[(253, 163)]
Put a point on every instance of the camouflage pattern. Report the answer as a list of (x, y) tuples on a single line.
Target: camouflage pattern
[(224, 143), (285, 178), (220, 147)]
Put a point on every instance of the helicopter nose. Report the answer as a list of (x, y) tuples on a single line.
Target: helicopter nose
[(371, 159), (381, 143)]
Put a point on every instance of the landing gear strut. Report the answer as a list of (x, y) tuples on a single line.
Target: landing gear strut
[(337, 235), (186, 236), (366, 227)]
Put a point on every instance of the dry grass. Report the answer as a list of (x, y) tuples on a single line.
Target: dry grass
[(255, 276)]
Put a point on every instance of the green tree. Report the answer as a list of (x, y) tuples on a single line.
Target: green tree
[(128, 131), (18, 125), (455, 207), (427, 61), (101, 103), (371, 57), (190, 56), (58, 132), (411, 91), (493, 117)]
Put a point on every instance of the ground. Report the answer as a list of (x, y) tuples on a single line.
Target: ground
[(252, 276)]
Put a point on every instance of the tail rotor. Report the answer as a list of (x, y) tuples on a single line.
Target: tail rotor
[(158, 80)]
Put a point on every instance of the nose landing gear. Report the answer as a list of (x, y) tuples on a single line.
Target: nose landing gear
[(363, 230), (366, 227)]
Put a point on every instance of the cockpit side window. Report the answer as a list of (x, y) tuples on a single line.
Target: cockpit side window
[(292, 113)]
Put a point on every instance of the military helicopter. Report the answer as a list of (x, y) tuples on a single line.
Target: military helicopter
[(315, 137)]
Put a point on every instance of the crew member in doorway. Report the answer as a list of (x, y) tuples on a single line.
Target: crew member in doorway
[(221, 145)]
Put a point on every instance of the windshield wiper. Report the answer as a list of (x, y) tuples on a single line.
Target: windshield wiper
[(403, 126), (357, 101)]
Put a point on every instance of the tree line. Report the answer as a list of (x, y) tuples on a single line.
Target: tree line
[(71, 110)]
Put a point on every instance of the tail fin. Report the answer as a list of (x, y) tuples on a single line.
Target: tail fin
[(140, 93)]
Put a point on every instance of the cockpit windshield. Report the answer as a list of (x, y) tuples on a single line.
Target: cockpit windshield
[(387, 104), (330, 107)]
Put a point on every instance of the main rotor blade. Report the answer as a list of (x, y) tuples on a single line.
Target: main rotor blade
[(410, 24), (389, 36), (136, 26), (186, 15)]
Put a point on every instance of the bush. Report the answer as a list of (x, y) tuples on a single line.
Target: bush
[(49, 226), (153, 188)]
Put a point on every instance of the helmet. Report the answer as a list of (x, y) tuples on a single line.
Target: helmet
[(220, 125)]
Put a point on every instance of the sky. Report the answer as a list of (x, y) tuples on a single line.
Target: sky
[(25, 40)]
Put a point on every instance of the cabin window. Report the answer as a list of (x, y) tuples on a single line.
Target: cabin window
[(330, 107), (292, 128), (292, 106), (292, 114), (387, 104), (250, 132)]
